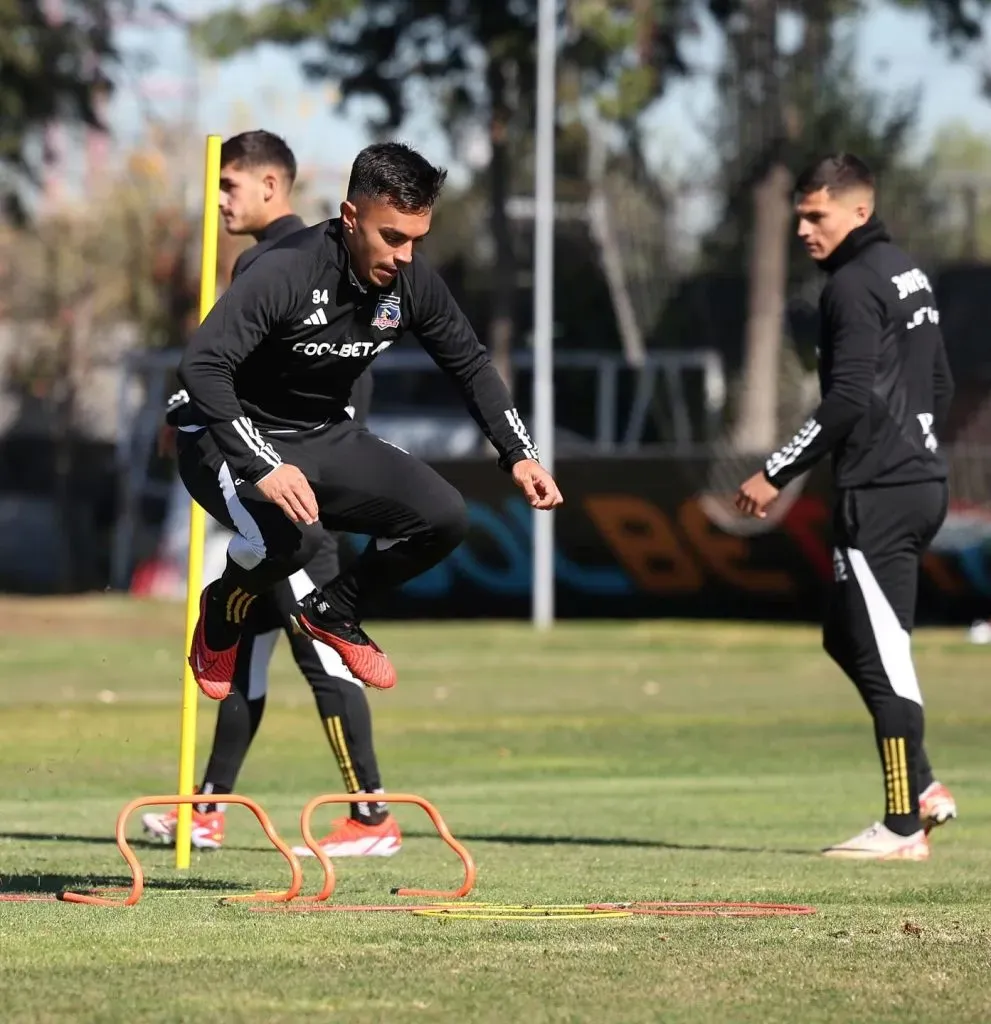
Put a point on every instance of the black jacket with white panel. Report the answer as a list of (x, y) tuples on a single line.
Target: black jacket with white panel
[(883, 374), (282, 348)]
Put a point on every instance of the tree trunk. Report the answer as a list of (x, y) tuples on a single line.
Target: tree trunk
[(756, 425), (501, 316), (764, 122), (603, 233)]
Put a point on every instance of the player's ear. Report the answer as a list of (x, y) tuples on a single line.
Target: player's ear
[(864, 206), (270, 185), (349, 215)]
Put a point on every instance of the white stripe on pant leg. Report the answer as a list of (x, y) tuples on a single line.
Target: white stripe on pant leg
[(893, 643), (384, 543), (330, 660), (262, 647), (247, 546)]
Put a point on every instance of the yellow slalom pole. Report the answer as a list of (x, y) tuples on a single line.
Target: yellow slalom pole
[(197, 519)]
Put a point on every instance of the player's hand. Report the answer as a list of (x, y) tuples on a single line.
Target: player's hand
[(166, 441), (537, 484), (291, 491), (755, 495)]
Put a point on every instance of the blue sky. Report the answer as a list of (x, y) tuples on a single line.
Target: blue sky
[(266, 89)]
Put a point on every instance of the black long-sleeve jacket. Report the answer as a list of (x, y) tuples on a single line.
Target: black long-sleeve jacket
[(282, 348), (884, 378), (180, 411)]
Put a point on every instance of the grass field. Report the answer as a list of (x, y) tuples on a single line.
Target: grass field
[(601, 762)]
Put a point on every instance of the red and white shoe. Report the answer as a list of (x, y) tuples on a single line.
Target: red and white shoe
[(213, 670), (936, 806), (364, 658), (879, 843), (207, 832), (352, 838)]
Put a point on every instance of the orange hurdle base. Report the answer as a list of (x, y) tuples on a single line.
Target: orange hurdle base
[(296, 882), (329, 880), (137, 875)]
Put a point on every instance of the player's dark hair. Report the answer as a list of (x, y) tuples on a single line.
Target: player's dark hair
[(397, 174), (838, 172), (258, 149)]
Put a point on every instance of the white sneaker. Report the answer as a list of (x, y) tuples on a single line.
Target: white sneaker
[(980, 632), (207, 828), (351, 838), (936, 806), (879, 843)]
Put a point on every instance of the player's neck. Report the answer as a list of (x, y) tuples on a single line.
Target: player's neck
[(277, 214), (359, 282)]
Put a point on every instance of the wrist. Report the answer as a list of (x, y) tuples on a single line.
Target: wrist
[(256, 475), (514, 458), (777, 483)]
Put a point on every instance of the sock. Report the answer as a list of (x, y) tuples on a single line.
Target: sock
[(212, 788), (899, 726), (237, 722), (338, 600), (347, 721), (227, 606)]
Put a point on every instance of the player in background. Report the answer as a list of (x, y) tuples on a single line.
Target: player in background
[(886, 392), (258, 171)]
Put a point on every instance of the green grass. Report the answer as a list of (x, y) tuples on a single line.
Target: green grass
[(600, 762)]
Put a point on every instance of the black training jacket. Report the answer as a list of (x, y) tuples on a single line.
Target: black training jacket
[(883, 375), (283, 346), (266, 238), (178, 411)]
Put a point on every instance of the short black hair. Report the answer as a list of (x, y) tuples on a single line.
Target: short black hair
[(396, 173), (258, 149), (838, 172)]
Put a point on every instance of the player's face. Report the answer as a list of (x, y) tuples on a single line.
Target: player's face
[(244, 196), (380, 238), (824, 219)]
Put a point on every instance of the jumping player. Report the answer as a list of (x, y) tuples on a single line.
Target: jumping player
[(270, 373), (258, 171)]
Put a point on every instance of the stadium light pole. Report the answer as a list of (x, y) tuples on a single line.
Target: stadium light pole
[(543, 306)]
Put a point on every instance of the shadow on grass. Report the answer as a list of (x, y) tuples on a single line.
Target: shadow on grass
[(615, 842), (504, 838), (61, 837), (37, 884), (109, 840)]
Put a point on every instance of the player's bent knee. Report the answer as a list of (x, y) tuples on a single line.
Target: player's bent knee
[(292, 545), (247, 552), (449, 521)]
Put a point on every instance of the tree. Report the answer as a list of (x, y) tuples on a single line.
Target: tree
[(957, 23), (960, 166), (54, 66), (783, 109), (86, 283), (479, 60)]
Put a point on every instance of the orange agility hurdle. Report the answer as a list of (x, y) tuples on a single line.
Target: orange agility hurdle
[(329, 880), (137, 875)]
